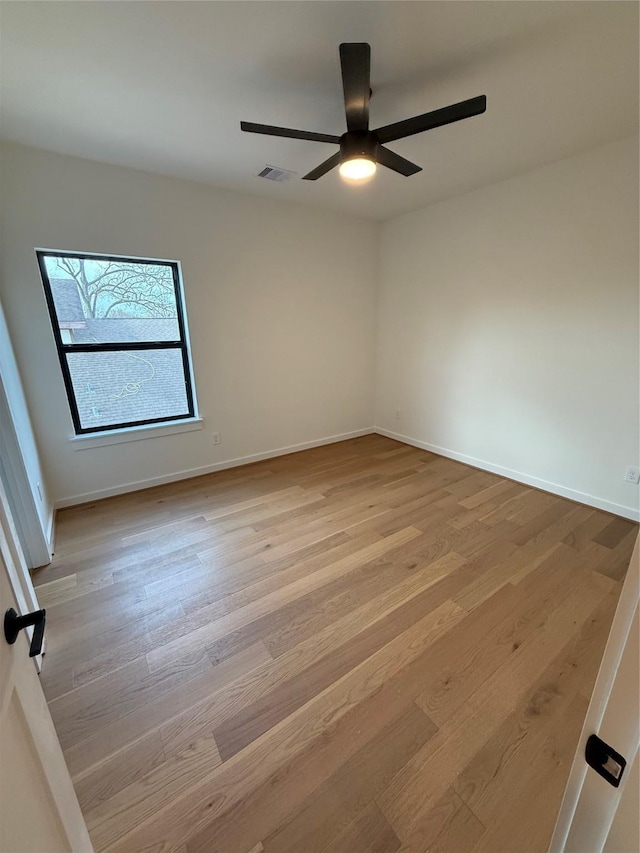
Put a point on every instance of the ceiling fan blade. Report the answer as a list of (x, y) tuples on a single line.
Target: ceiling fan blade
[(394, 161), (436, 118), (270, 130), (355, 61), (323, 168)]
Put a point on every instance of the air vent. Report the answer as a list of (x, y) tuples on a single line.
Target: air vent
[(273, 173)]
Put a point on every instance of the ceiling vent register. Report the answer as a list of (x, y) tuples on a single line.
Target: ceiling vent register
[(273, 173)]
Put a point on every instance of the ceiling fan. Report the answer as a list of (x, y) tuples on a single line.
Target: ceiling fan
[(362, 149)]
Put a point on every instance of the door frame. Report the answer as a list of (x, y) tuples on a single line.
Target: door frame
[(572, 821), (26, 520), (17, 571)]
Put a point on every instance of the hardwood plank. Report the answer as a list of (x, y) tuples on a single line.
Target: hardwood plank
[(520, 738), (368, 832), (332, 807), (503, 567), (111, 659), (235, 592), (314, 740), (582, 536), (364, 585), (143, 720), (412, 602), (72, 587), (96, 601), (614, 563), (275, 683), (208, 579), (111, 819), (553, 524), (165, 532), (160, 564), (448, 826), (278, 617), (181, 727), (84, 711), (56, 591), (497, 490), (429, 773), (360, 584), (69, 624), (207, 634), (527, 829), (615, 532), (110, 554), (474, 482), (229, 508), (89, 648), (381, 701), (128, 767), (489, 642)]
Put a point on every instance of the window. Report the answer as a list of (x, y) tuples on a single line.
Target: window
[(120, 329)]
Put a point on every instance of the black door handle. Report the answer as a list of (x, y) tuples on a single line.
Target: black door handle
[(13, 624)]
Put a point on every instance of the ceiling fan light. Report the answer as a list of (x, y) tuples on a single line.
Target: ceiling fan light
[(358, 168)]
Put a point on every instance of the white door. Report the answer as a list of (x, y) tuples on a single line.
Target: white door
[(39, 811), (594, 815)]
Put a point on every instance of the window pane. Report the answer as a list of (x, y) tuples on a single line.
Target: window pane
[(109, 301), (121, 387)]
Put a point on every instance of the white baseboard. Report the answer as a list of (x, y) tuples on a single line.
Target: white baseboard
[(206, 469), (555, 488)]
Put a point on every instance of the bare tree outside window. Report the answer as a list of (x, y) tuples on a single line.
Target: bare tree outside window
[(117, 288)]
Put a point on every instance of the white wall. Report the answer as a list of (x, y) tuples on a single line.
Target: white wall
[(508, 327), (280, 301)]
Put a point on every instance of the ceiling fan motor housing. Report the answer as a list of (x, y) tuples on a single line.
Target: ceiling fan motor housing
[(359, 143)]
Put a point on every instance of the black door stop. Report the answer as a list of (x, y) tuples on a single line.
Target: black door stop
[(604, 760)]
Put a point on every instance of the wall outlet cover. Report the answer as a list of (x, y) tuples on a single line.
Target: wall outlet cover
[(632, 474)]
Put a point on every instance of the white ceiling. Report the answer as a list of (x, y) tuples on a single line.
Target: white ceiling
[(163, 86)]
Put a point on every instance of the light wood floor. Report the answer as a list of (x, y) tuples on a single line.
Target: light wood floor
[(360, 648)]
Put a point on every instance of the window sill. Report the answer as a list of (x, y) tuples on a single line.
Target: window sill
[(118, 436)]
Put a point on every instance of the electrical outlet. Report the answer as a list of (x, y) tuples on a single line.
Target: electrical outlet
[(397, 414), (632, 475), (216, 438)]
